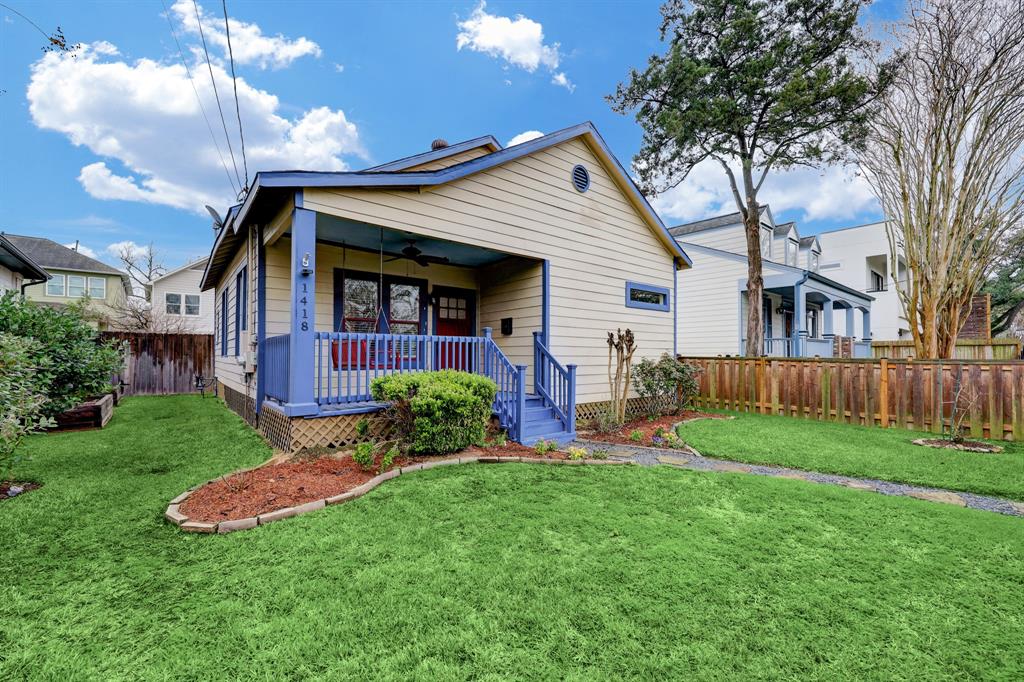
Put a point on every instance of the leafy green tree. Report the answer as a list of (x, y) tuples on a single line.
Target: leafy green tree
[(21, 396), (753, 85)]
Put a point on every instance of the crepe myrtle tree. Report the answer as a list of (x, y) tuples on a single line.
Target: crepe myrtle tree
[(754, 85)]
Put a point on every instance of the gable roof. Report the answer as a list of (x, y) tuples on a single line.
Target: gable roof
[(809, 242), (435, 154), (53, 256), (782, 229), (15, 260), (726, 220), (271, 183), (198, 264)]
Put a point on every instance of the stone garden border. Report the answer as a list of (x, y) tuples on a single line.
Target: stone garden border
[(174, 515)]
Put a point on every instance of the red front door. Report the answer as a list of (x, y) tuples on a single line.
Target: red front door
[(454, 315)]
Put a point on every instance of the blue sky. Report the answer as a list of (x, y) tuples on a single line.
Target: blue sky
[(111, 147)]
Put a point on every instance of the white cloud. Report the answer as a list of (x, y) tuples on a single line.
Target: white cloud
[(340, 68), (524, 137), (519, 41), (136, 250), (248, 43), (561, 79), (143, 119), (82, 249), (833, 193)]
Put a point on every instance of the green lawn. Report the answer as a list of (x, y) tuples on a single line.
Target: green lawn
[(490, 572), (885, 454)]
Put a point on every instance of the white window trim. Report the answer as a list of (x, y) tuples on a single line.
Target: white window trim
[(63, 285), (88, 287), (794, 247), (182, 305), (766, 240), (85, 286)]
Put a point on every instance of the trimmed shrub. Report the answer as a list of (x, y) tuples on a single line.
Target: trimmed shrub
[(666, 382), (72, 362), (437, 412), (22, 397)]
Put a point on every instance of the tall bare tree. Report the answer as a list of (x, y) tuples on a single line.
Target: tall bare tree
[(143, 265), (945, 156)]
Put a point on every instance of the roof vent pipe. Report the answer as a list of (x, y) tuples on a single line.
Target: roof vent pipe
[(439, 143)]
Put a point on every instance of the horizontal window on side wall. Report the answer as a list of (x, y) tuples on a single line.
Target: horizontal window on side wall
[(647, 297)]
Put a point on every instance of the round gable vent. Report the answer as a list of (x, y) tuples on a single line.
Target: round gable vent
[(580, 178)]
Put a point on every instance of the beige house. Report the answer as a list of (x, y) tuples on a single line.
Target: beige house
[(17, 268), (514, 263), (74, 276), (178, 302)]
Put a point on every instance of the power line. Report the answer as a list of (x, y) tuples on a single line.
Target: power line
[(234, 83), (224, 165), (216, 96)]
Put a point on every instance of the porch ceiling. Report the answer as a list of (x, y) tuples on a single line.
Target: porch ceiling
[(360, 235)]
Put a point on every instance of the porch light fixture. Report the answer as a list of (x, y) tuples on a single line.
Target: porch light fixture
[(305, 264)]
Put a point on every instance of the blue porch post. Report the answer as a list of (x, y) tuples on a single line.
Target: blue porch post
[(538, 376), (849, 322), (799, 319), (487, 351), (301, 400), (866, 336), (520, 403), (572, 397), (827, 314)]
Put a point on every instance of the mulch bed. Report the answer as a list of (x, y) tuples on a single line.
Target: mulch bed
[(965, 446), (647, 428), (20, 488), (306, 479)]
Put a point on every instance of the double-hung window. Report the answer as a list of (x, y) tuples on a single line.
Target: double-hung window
[(224, 322), (241, 298), (791, 249), (55, 286), (97, 287), (172, 303), (192, 305), (76, 286), (647, 296), (766, 244)]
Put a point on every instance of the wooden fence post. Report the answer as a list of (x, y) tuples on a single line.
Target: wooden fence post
[(883, 393)]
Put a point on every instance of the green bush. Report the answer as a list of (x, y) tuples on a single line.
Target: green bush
[(363, 456), (21, 396), (72, 362), (665, 382), (437, 412)]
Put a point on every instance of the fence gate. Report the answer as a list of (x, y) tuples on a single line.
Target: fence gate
[(159, 364)]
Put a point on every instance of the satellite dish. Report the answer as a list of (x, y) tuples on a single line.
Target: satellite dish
[(218, 222)]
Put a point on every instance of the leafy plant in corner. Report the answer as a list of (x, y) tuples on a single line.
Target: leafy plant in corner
[(363, 427), (636, 435), (576, 452), (22, 397), (363, 455), (667, 382), (543, 447)]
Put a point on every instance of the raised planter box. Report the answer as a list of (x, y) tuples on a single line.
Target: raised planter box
[(93, 414)]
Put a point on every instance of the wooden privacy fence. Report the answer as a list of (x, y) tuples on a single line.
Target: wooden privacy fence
[(965, 349), (908, 394), (164, 363)]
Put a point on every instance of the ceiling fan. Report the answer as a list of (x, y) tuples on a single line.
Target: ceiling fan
[(413, 253)]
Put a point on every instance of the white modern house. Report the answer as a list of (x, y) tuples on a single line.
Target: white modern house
[(804, 309), (859, 257), (176, 297)]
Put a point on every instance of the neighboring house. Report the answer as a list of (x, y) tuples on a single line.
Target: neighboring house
[(859, 258), (799, 304), (74, 276), (179, 304), (17, 269), (514, 263)]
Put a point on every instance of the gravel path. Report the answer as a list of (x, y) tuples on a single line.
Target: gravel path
[(688, 459)]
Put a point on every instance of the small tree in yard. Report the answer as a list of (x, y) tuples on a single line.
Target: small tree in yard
[(946, 157), (623, 345), (21, 396), (753, 85), (667, 382)]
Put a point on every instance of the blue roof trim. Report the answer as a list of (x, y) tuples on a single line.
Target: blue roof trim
[(294, 178), (435, 154)]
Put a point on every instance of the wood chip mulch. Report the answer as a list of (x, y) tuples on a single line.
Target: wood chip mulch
[(307, 479), (965, 446), (647, 428)]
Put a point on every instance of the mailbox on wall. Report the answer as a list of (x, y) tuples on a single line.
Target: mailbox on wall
[(506, 326)]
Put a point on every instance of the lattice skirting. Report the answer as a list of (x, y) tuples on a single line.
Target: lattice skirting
[(635, 407), (295, 434), (239, 403)]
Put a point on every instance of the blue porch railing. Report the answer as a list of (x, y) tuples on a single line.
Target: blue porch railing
[(555, 384), (774, 346), (345, 364), (277, 360)]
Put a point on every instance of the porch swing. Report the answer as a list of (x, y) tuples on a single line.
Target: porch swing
[(365, 352)]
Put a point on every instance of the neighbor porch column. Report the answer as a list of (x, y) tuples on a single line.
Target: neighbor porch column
[(866, 336), (827, 315), (301, 400), (799, 319), (849, 322)]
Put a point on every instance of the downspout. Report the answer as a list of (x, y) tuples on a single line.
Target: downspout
[(25, 285)]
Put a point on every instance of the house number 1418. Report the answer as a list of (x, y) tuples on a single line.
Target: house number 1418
[(304, 325)]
